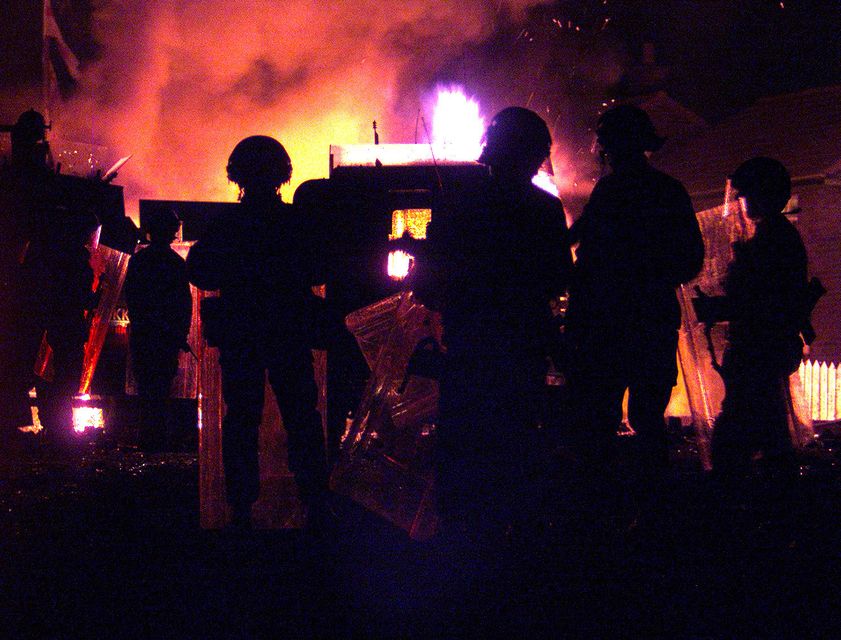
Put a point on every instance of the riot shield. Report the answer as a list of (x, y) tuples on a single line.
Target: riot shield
[(385, 462)]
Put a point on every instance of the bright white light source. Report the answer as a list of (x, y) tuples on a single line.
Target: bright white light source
[(85, 418), (545, 182), (457, 126), (399, 264)]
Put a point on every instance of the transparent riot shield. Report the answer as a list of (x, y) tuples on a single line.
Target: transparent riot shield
[(213, 512), (109, 268), (385, 462), (699, 347)]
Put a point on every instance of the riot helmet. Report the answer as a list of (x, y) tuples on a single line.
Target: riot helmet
[(764, 182), (516, 136), (259, 161), (162, 225), (627, 129), (29, 143), (30, 128)]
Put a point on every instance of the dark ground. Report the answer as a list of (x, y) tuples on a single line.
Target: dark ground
[(108, 545)]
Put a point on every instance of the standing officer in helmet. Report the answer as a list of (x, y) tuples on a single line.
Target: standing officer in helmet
[(638, 239), (767, 304), (26, 201), (160, 308), (259, 258), (496, 256), (68, 303)]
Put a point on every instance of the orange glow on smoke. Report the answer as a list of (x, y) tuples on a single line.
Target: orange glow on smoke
[(178, 84)]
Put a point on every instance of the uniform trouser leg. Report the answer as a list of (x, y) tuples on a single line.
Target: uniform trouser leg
[(293, 383), (754, 416), (154, 368), (647, 404), (55, 399), (18, 349), (485, 461), (347, 375), (596, 414), (776, 441), (243, 380), (153, 397)]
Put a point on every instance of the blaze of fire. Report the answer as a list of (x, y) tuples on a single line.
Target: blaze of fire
[(457, 124)]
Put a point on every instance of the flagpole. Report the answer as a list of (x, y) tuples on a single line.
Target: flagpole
[(45, 63), (55, 49)]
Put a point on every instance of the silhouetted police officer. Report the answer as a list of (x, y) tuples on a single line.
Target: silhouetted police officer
[(68, 299), (260, 260), (160, 308), (638, 239), (767, 304), (25, 206), (496, 255)]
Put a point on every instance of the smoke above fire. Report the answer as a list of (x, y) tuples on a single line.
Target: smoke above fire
[(179, 82)]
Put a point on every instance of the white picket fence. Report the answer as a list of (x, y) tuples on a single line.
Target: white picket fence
[(821, 383)]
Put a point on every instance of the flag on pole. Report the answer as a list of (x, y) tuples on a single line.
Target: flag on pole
[(60, 64)]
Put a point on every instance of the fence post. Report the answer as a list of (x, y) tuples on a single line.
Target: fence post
[(822, 407)]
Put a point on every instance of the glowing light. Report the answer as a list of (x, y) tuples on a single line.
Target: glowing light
[(545, 182), (412, 220), (85, 418), (388, 155), (728, 195), (399, 264), (457, 124)]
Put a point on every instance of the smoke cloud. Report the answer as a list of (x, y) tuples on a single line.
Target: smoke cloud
[(180, 82)]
